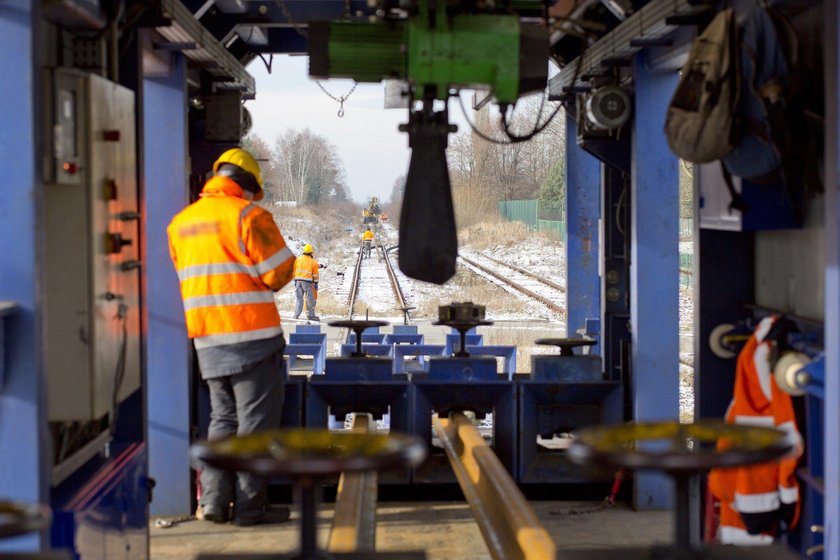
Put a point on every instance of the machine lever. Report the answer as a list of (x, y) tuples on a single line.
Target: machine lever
[(114, 242)]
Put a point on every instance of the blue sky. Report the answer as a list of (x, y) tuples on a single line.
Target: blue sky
[(373, 150)]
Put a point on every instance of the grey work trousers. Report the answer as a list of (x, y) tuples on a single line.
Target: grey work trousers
[(241, 404), (304, 289), (368, 244)]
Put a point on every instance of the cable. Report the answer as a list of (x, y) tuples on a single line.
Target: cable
[(512, 139), (119, 370), (268, 62)]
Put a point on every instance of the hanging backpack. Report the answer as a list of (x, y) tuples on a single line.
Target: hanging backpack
[(764, 77), (699, 123), (775, 129)]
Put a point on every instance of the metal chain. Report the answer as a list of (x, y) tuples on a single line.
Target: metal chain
[(303, 33), (341, 99)]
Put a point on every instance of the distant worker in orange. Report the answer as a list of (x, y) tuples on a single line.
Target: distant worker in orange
[(367, 238), (231, 258), (306, 283)]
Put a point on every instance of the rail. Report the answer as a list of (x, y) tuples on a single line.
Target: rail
[(354, 522), (528, 273), (508, 523), (547, 302), (354, 284), (395, 283)]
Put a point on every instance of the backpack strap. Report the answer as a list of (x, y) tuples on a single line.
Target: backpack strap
[(737, 202)]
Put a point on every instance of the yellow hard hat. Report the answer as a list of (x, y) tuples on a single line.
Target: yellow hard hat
[(244, 159), (307, 248)]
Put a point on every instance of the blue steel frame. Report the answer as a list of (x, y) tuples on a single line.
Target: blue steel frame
[(832, 283), (583, 210), (360, 385), (654, 268), (167, 348), (24, 456)]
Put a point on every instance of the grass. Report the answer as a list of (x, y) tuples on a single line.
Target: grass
[(329, 304), (485, 235), (468, 286), (523, 339)]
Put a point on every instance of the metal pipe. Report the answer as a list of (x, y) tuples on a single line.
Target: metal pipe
[(354, 520), (508, 523)]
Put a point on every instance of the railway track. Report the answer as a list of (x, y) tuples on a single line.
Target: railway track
[(375, 282), (531, 285)]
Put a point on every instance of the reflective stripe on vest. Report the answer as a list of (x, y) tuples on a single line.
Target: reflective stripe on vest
[(738, 536), (229, 256), (239, 298)]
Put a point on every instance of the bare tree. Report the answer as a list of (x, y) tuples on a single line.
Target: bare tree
[(484, 172), (262, 151), (309, 167)]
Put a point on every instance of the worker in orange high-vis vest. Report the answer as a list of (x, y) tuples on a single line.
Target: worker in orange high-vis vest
[(231, 258), (756, 499), (306, 283)]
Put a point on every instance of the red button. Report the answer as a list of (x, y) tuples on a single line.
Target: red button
[(70, 167)]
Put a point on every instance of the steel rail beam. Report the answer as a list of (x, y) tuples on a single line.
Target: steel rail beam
[(550, 304), (354, 284), (508, 523), (354, 521), (528, 273), (395, 283)]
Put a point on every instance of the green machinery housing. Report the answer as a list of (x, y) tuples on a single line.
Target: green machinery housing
[(436, 48)]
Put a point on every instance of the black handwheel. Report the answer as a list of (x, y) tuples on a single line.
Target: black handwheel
[(683, 451), (463, 326), (358, 327), (308, 456)]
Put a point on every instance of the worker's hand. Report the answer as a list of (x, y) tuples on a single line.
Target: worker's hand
[(322, 266)]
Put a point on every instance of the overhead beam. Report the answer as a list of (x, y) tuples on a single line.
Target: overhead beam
[(632, 35), (182, 28)]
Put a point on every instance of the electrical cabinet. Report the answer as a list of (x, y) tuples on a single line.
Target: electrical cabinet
[(770, 207), (92, 316)]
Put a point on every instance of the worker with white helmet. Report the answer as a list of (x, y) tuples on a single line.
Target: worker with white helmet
[(306, 283)]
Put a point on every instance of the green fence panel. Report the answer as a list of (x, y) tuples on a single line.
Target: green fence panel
[(520, 211), (553, 225), (686, 276)]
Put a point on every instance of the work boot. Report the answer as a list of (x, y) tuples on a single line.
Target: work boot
[(314, 318), (216, 514), (271, 514)]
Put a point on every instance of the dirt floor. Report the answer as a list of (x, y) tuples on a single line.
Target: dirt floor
[(445, 530)]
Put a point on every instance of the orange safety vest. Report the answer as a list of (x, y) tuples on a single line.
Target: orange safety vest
[(306, 268), (367, 236), (230, 258), (754, 498)]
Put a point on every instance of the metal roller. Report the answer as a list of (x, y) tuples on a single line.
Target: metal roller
[(789, 374), (716, 341)]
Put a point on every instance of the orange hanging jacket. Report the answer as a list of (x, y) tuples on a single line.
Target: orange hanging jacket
[(755, 498), (230, 258)]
